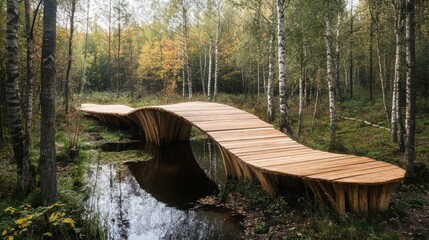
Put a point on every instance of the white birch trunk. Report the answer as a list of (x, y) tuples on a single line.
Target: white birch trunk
[(216, 66), (284, 124), (13, 100), (209, 77), (270, 90), (411, 91), (396, 80), (330, 83), (337, 56)]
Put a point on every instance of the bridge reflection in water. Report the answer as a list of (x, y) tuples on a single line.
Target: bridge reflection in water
[(172, 176), (155, 199)]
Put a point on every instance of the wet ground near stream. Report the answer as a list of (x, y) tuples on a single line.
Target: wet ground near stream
[(155, 199)]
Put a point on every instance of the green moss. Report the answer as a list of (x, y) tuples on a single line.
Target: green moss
[(123, 157)]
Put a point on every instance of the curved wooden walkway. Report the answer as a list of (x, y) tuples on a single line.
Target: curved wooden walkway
[(255, 150)]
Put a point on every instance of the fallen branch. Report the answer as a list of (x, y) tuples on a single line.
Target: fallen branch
[(365, 122)]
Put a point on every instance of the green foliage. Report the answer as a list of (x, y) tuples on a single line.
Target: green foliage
[(248, 189), (261, 228), (277, 206), (25, 221)]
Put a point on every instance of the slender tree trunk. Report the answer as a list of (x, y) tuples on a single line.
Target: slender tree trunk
[(204, 73), (264, 80), (315, 105), (337, 56), (375, 18), (47, 166), (118, 56), (351, 54), (70, 56), (13, 100), (85, 51), (26, 161), (186, 43), (202, 76), (183, 73), (331, 85), (216, 66), (284, 123), (109, 41), (270, 90), (396, 81), (301, 88), (210, 72), (371, 38), (258, 79)]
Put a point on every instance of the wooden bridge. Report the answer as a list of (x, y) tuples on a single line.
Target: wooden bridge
[(253, 149)]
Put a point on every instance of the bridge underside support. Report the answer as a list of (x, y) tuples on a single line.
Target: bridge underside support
[(117, 121), (353, 197), (342, 197), (162, 127)]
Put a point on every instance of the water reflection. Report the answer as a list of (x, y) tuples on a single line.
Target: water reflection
[(172, 176), (140, 201)]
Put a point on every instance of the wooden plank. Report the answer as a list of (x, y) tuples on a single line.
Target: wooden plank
[(263, 150), (257, 143), (303, 154), (333, 174), (329, 172), (232, 124), (394, 174), (238, 135), (226, 117), (319, 164)]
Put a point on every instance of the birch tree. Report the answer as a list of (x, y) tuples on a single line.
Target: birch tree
[(13, 97), (209, 75), (331, 85), (396, 119), (284, 123), (411, 91), (337, 55), (219, 4), (26, 176), (270, 88), (351, 53), (48, 177)]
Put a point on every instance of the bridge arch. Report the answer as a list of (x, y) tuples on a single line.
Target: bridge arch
[(253, 149)]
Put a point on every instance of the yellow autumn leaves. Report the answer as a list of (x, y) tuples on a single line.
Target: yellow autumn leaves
[(57, 218), (25, 218)]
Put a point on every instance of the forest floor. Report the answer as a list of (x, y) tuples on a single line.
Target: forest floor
[(289, 216)]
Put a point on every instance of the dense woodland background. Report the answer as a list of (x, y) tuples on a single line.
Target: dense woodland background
[(337, 50)]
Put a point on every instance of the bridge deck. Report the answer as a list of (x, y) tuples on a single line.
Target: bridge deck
[(255, 150)]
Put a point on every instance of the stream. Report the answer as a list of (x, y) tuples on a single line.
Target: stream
[(155, 199)]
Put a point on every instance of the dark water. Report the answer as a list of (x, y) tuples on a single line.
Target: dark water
[(155, 199)]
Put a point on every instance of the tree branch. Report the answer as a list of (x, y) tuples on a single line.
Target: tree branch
[(365, 122)]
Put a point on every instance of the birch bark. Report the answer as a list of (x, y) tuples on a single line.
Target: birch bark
[(13, 99), (331, 85), (284, 123), (411, 91)]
